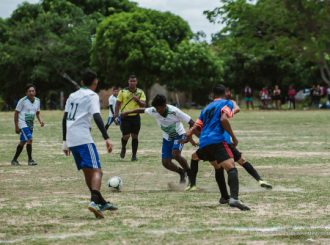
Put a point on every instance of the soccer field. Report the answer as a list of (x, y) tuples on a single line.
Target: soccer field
[(48, 203)]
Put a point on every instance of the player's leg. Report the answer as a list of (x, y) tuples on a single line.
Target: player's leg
[(31, 162), (176, 153), (135, 130), (193, 173), (224, 158), (253, 172), (167, 160), (221, 181), (125, 130), (19, 150), (109, 121)]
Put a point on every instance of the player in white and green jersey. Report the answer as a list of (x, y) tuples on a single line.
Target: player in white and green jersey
[(27, 108), (170, 119)]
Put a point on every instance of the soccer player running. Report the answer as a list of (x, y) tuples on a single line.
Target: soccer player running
[(27, 108), (170, 119), (80, 107), (130, 98), (112, 106), (212, 122)]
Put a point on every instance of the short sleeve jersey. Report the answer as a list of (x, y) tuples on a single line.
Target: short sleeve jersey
[(27, 111), (112, 101), (125, 96), (81, 106), (171, 124), (209, 120)]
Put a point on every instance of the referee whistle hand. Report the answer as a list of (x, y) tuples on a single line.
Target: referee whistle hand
[(108, 145), (135, 98)]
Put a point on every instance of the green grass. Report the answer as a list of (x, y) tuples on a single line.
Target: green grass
[(48, 203)]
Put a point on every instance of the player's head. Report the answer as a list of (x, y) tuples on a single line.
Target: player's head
[(132, 82), (89, 79), (115, 91), (219, 91), (159, 102), (30, 90)]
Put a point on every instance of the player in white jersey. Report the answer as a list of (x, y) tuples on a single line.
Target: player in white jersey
[(80, 108), (170, 119), (112, 107), (27, 108)]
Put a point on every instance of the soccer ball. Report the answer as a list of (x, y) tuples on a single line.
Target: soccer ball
[(115, 183)]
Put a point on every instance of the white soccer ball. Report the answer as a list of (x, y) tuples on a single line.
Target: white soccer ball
[(115, 183)]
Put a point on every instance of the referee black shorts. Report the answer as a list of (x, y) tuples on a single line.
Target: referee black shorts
[(130, 125), (216, 152)]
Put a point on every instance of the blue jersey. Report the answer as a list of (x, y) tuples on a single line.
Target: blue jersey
[(227, 137), (209, 120)]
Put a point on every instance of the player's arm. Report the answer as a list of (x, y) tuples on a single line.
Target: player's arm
[(138, 110), (39, 119), (117, 108), (226, 126), (65, 147), (99, 122), (17, 130), (111, 109), (236, 107)]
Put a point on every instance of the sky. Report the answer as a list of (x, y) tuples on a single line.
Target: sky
[(189, 10)]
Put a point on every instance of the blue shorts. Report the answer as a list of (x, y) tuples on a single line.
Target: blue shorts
[(110, 120), (86, 156), (26, 134), (170, 145)]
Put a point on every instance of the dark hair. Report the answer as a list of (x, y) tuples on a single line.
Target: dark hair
[(115, 88), (219, 90), (29, 85), (88, 76), (158, 100), (132, 77)]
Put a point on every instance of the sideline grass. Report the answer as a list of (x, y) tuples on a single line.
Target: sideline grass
[(48, 203)]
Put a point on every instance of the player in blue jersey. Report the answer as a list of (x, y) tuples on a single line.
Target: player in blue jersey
[(213, 121)]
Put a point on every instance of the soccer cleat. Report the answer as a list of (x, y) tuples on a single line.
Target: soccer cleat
[(122, 153), (15, 163), (238, 204), (134, 158), (108, 206), (94, 208), (191, 188), (32, 163), (223, 200), (264, 184)]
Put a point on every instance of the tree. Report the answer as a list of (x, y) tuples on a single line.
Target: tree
[(153, 45)]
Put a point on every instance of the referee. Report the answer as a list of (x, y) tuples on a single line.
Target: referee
[(128, 99)]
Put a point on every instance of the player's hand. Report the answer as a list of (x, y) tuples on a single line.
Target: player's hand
[(66, 149), (193, 142), (42, 123), (108, 145), (17, 130), (185, 139), (235, 141), (136, 98)]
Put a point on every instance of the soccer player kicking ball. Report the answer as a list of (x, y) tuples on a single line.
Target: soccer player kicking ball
[(212, 122), (27, 108), (170, 119), (80, 107)]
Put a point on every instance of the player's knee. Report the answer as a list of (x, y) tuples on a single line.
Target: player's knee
[(228, 164), (194, 157), (176, 154), (22, 143), (241, 161), (126, 137), (134, 136), (166, 162)]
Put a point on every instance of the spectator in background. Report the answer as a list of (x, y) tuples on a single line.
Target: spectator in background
[(277, 97), (316, 95), (248, 97), (291, 97), (264, 97)]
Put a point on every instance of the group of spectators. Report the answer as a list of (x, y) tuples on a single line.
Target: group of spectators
[(272, 98)]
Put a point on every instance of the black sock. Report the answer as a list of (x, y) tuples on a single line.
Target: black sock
[(251, 170), (29, 151), (193, 171), (123, 143), (19, 149), (233, 182), (220, 178), (135, 144), (106, 126), (97, 197)]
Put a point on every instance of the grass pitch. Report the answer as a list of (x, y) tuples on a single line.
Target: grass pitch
[(48, 203)]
